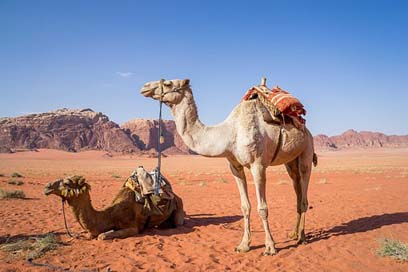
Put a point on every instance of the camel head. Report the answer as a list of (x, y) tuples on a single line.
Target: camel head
[(171, 92), (67, 188)]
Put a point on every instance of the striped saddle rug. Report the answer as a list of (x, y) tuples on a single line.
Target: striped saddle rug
[(280, 104)]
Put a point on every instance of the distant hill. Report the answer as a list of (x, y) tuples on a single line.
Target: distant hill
[(360, 140), (144, 133), (64, 129), (83, 129)]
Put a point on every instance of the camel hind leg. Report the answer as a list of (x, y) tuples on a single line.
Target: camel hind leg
[(300, 170), (293, 170)]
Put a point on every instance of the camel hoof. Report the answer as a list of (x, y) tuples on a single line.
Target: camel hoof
[(270, 251), (102, 237), (301, 242), (293, 235), (242, 249)]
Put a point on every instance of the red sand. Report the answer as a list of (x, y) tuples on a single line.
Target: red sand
[(355, 198)]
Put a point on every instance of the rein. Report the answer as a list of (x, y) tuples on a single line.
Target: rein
[(278, 146), (65, 220), (160, 140)]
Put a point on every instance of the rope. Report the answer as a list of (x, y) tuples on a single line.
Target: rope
[(65, 220), (158, 174), (278, 146)]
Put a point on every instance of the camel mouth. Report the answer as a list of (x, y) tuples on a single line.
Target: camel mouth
[(48, 191), (147, 91)]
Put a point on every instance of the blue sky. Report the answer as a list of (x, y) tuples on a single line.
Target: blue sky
[(346, 60)]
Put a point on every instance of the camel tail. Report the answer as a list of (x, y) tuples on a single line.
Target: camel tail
[(314, 159)]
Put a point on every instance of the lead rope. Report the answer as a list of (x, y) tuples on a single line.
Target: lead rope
[(160, 140), (65, 220)]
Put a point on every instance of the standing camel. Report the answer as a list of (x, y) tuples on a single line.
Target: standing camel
[(245, 140)]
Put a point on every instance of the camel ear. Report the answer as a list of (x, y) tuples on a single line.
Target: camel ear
[(185, 82)]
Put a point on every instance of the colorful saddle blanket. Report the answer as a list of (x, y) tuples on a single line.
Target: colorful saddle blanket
[(279, 102)]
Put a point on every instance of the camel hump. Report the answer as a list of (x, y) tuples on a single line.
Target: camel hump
[(279, 102)]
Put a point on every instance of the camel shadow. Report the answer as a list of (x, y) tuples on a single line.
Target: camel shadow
[(192, 221), (359, 225)]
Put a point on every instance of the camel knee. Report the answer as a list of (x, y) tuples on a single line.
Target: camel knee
[(246, 209), (304, 205), (263, 213), (305, 170)]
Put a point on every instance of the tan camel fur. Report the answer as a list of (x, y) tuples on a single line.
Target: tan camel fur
[(245, 140), (123, 218)]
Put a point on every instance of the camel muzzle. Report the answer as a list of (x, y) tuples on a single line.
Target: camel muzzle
[(49, 189)]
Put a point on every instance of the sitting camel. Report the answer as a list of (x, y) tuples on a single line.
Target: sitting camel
[(245, 140), (126, 216)]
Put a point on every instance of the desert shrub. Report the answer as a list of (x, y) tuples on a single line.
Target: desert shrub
[(283, 182), (11, 194), (32, 247), (15, 182), (116, 176), (16, 175), (394, 249), (222, 180), (2, 175), (323, 181), (202, 183)]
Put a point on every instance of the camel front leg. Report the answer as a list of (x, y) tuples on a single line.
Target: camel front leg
[(258, 172), (239, 175), (120, 234)]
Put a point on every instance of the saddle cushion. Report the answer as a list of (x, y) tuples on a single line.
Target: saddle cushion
[(278, 101)]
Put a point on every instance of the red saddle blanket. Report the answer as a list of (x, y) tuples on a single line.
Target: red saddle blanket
[(278, 101)]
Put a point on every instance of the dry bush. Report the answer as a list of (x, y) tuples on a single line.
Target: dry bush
[(16, 175), (282, 182), (222, 180), (323, 181), (393, 248), (116, 176), (11, 194), (15, 182), (202, 183), (32, 247)]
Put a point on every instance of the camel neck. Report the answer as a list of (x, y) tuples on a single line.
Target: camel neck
[(210, 141), (87, 216)]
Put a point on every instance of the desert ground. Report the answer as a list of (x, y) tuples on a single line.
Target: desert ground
[(355, 199)]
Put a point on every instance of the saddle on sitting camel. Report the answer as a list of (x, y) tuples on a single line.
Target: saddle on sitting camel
[(281, 105), (142, 184)]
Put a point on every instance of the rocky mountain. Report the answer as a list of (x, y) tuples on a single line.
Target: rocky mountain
[(64, 129), (144, 133), (359, 140), (84, 129)]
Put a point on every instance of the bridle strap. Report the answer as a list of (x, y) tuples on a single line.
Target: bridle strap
[(65, 219), (158, 174)]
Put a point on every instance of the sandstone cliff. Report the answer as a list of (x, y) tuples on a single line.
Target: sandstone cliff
[(144, 133), (64, 129)]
